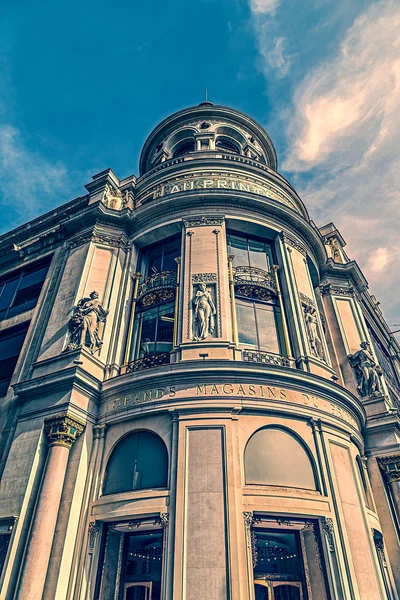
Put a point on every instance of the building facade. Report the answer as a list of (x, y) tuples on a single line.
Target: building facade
[(199, 396)]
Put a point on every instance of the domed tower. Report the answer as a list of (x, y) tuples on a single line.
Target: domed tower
[(220, 381)]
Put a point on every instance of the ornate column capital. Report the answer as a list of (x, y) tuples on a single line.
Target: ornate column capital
[(390, 467), (62, 430)]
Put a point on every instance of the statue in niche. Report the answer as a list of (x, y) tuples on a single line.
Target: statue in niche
[(204, 313), (310, 316), (368, 372), (84, 324)]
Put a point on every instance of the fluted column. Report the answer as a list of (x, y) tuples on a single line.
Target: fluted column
[(62, 431)]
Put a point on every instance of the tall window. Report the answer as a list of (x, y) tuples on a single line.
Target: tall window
[(251, 252), (20, 291), (11, 341), (139, 462), (258, 312), (154, 318)]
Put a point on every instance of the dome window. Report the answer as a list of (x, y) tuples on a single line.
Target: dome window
[(185, 148), (227, 146)]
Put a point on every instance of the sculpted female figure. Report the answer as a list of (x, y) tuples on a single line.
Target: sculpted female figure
[(84, 325), (368, 372), (204, 312)]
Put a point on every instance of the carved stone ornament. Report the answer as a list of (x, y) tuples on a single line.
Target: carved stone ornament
[(101, 238), (327, 528), (295, 244), (93, 532), (368, 372), (204, 278), (48, 239), (390, 467), (62, 430), (84, 324), (337, 290), (203, 221), (164, 520), (204, 312)]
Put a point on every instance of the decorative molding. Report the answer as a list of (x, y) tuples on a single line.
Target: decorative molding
[(337, 290), (93, 532), (164, 520), (45, 241), (63, 430), (315, 424), (294, 244), (390, 467), (203, 221), (101, 238), (204, 278), (248, 519), (327, 528), (306, 300)]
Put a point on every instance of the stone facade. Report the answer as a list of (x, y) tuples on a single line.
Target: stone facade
[(200, 398)]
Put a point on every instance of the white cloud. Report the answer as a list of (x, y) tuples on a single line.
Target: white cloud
[(27, 179), (264, 6), (344, 146), (276, 56)]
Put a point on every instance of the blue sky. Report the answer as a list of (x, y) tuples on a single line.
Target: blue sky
[(83, 83)]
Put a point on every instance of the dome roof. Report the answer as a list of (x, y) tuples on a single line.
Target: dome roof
[(229, 129)]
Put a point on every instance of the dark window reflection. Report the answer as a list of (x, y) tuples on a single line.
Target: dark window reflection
[(260, 325), (250, 252), (160, 257), (143, 566), (154, 330), (20, 291), (139, 462), (278, 554), (11, 342)]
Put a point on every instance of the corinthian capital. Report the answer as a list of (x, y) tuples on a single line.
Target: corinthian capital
[(62, 430)]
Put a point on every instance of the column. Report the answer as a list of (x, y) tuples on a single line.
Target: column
[(62, 431), (390, 466)]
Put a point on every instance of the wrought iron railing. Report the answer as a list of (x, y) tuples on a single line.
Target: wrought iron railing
[(266, 358), (157, 287), (148, 362), (254, 282)]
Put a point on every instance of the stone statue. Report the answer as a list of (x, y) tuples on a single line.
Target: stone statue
[(368, 372), (84, 324), (310, 316), (204, 312)]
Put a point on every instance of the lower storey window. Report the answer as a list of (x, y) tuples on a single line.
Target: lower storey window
[(154, 330), (260, 325), (131, 565)]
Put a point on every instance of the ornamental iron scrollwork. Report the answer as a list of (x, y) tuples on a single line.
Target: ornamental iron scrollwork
[(148, 362), (253, 282), (265, 358), (368, 372), (84, 324), (156, 288)]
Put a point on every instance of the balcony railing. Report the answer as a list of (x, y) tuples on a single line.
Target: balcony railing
[(157, 288), (266, 358), (148, 362), (254, 282)]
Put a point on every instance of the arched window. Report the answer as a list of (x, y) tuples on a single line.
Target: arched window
[(139, 462), (226, 145), (275, 457), (185, 148)]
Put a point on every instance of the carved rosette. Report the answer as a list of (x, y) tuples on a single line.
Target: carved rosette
[(63, 430), (390, 467)]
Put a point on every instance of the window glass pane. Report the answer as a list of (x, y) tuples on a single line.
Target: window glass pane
[(7, 293), (171, 251), (273, 457), (165, 330), (10, 346), (266, 325), (238, 247), (144, 557), (139, 462), (278, 554), (33, 277), (258, 257), (246, 323), (147, 338)]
